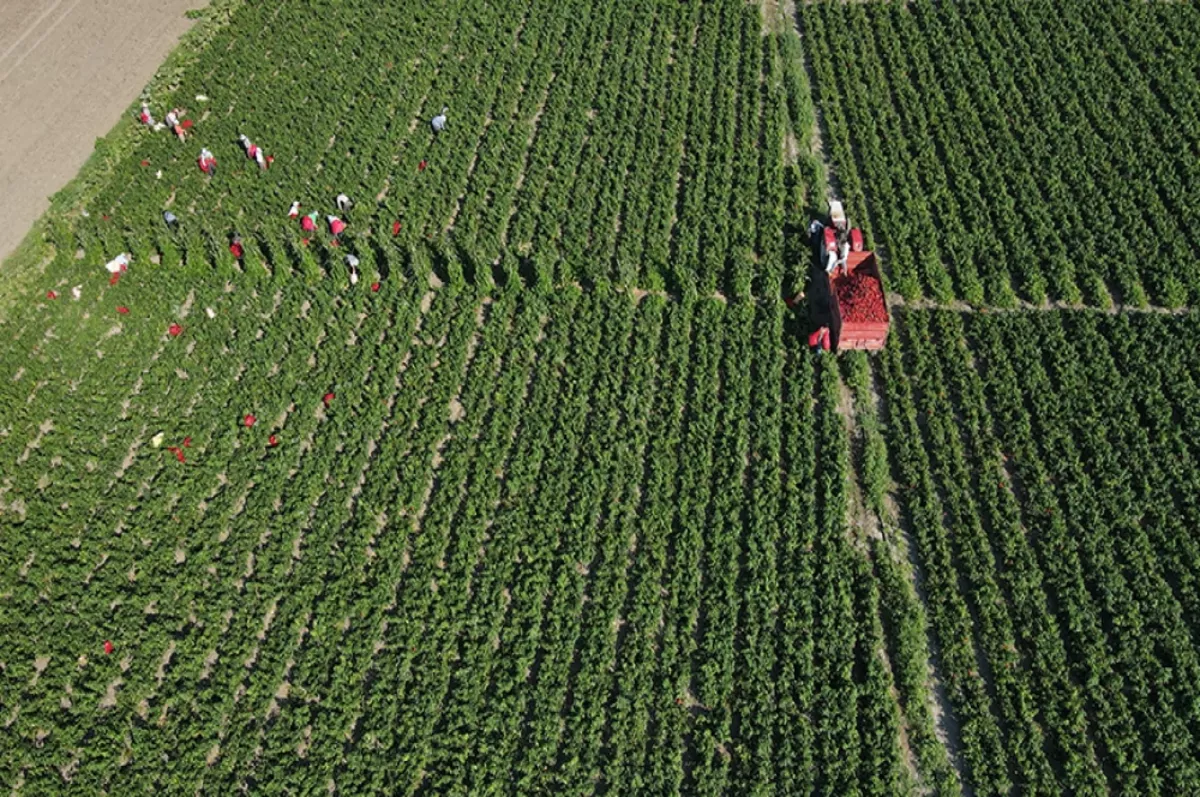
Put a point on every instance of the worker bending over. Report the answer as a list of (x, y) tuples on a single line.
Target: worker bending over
[(336, 225), (352, 262), (819, 340), (254, 152), (173, 121), (343, 203), (119, 264), (145, 116), (207, 162), (439, 121)]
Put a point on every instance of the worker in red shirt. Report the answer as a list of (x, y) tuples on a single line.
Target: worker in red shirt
[(236, 248), (208, 163), (336, 225), (819, 340), (309, 223), (145, 116)]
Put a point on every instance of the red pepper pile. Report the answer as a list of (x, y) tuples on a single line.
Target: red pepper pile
[(860, 295)]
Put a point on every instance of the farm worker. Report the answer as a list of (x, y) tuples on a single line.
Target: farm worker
[(171, 221), (831, 262), (294, 211), (174, 123), (260, 158), (145, 116), (208, 163), (439, 121), (248, 145), (309, 222), (235, 248), (336, 225), (118, 264), (352, 262), (819, 340), (814, 228), (343, 203)]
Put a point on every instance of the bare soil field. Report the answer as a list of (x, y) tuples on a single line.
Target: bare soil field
[(68, 68)]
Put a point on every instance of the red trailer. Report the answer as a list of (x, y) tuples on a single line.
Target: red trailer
[(857, 305)]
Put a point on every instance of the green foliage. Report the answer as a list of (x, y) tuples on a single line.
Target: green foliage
[(1017, 150)]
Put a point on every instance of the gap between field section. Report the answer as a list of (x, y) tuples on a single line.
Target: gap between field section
[(895, 300)]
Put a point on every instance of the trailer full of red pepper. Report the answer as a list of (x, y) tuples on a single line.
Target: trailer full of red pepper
[(859, 307)]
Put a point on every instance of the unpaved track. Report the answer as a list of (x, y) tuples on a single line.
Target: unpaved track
[(68, 68)]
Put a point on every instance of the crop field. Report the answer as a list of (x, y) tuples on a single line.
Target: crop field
[(1050, 473), (549, 496), (529, 537), (1010, 151), (597, 142)]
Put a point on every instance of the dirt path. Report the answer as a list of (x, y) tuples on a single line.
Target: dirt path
[(68, 68)]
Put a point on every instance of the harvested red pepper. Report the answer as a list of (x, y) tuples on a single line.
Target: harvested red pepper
[(249, 420), (421, 166), (374, 287), (51, 295), (175, 330), (396, 227), (328, 397), (108, 647), (860, 296), (271, 441), (122, 309)]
